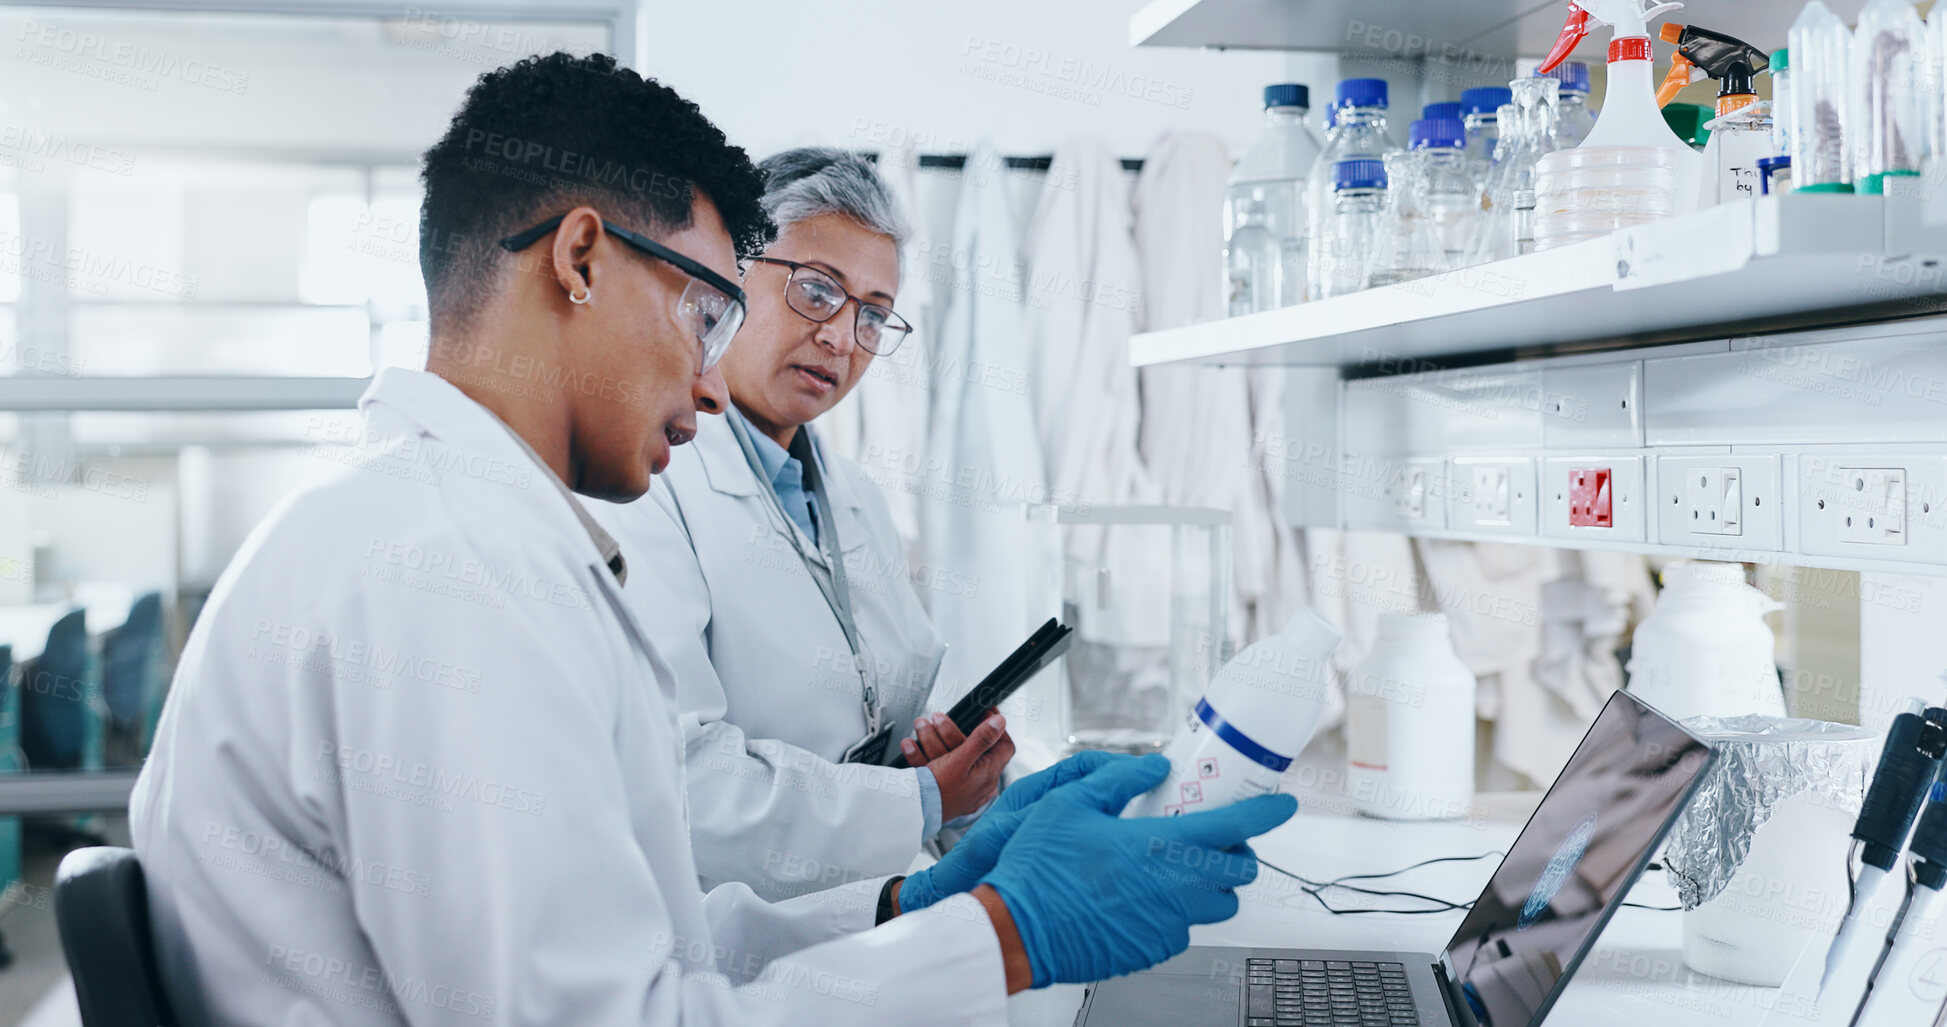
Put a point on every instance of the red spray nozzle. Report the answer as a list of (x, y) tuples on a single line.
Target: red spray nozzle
[(1573, 32)]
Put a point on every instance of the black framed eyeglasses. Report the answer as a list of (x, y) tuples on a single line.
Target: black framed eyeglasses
[(817, 296), (712, 305)]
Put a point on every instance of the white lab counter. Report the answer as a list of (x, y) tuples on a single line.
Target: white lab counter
[(1634, 976)]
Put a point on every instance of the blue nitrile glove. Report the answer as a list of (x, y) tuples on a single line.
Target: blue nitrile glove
[(1095, 896), (966, 863)]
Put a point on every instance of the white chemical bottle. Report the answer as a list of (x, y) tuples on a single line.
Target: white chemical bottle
[(1409, 723), (1257, 716), (1705, 650)]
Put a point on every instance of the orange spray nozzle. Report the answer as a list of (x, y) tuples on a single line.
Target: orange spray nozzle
[(1682, 73), (1573, 31)]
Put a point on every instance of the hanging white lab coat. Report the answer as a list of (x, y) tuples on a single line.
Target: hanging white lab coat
[(983, 458), (766, 692), (419, 765), (884, 420)]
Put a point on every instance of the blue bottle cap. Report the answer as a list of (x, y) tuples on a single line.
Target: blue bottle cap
[(1362, 92), (1444, 109), (1437, 132), (1363, 173), (1485, 99), (1573, 75), (1287, 94)]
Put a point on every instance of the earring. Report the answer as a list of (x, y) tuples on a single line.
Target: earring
[(586, 295)]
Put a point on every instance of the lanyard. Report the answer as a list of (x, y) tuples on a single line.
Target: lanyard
[(826, 570)]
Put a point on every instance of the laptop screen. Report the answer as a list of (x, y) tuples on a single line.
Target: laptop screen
[(1587, 842)]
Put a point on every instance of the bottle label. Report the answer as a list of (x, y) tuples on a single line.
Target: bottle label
[(1365, 731)]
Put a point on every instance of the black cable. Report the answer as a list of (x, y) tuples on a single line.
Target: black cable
[(1316, 889)]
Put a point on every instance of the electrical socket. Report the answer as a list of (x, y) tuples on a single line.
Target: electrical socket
[(1723, 501), (1875, 512), (1492, 494), (1593, 497), (1873, 506), (1410, 495)]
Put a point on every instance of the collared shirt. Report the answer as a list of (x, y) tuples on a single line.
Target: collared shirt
[(610, 549), (786, 475)]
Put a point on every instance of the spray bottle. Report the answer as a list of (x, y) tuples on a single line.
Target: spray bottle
[(1258, 715), (1741, 134), (1630, 116)]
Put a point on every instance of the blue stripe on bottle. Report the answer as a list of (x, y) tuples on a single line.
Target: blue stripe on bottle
[(1240, 741)]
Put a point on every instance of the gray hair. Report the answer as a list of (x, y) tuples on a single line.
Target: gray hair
[(812, 180)]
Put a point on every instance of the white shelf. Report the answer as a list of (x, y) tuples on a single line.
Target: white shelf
[(212, 393), (1465, 30), (1765, 265)]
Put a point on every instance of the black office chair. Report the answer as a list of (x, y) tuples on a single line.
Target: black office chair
[(102, 908)]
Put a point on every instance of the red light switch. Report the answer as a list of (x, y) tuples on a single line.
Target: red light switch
[(1588, 499)]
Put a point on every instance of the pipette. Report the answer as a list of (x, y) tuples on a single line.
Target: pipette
[(1907, 768), (1926, 875)]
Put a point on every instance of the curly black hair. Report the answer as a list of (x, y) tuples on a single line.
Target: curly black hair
[(548, 133)]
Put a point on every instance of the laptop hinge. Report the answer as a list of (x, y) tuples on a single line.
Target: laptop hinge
[(1457, 1011)]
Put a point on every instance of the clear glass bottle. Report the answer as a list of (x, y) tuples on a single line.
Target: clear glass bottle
[(1531, 126), (1447, 193), (1271, 177), (1253, 261), (1574, 119), (1358, 132), (1481, 108), (1358, 204), (1406, 245)]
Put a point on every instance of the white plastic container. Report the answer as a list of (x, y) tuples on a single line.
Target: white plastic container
[(1706, 650), (1258, 715), (1409, 723)]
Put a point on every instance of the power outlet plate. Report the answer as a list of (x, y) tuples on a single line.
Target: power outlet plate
[(1492, 494), (1410, 495), (1874, 506), (1719, 502), (1574, 488)]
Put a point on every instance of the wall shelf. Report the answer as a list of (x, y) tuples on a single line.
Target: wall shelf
[(210, 393), (1766, 265), (1410, 29)]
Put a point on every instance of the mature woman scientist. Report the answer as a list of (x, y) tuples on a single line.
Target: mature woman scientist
[(776, 585), (330, 839)]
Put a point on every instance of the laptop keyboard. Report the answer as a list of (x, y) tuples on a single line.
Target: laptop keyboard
[(1309, 992)]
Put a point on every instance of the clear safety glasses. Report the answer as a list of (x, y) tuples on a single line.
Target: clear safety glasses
[(815, 295), (711, 305)]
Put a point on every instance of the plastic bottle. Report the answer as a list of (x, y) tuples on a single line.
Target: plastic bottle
[(1574, 119), (1888, 56), (1253, 262), (1409, 723), (1257, 716), (1821, 50), (1705, 650), (1358, 132), (1630, 117), (1272, 176), (1358, 203), (1481, 111), (1781, 103)]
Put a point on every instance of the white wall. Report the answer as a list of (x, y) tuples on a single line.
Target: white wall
[(1026, 73)]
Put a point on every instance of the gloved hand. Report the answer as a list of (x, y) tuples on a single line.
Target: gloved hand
[(1094, 896), (966, 863)]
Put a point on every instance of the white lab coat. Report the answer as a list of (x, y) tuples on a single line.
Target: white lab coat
[(420, 766), (983, 458), (884, 420), (767, 697)]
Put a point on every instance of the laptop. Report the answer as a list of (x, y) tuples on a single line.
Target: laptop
[(1561, 881)]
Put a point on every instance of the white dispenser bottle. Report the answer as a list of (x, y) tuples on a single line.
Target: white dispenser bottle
[(1257, 716), (1409, 723), (1705, 651)]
